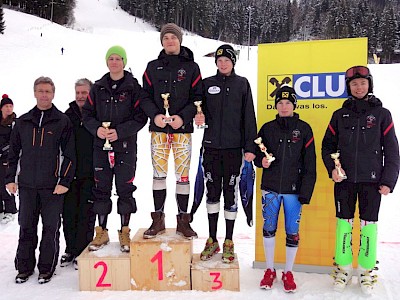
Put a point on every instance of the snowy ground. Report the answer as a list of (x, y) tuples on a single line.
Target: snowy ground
[(25, 55)]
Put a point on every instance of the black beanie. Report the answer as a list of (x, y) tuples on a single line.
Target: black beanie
[(227, 51), (5, 100), (288, 93)]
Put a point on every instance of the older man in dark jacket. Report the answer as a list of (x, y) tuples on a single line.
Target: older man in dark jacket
[(44, 136)]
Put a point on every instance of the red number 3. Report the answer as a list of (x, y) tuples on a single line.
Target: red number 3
[(218, 282)]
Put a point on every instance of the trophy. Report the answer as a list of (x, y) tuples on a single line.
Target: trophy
[(107, 146), (199, 111), (263, 149), (166, 106), (338, 166)]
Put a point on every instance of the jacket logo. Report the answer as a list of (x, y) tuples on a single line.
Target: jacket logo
[(371, 121), (296, 135), (181, 74), (122, 97), (345, 115), (213, 90)]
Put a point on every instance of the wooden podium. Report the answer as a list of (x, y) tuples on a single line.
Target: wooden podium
[(161, 263), (214, 275), (164, 263), (104, 269)]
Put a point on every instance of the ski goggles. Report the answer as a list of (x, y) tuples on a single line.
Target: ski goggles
[(357, 71)]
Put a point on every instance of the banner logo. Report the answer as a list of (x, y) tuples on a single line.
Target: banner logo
[(310, 86)]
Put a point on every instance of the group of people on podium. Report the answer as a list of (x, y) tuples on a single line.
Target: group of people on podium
[(69, 161)]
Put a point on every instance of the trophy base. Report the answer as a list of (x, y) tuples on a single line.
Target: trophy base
[(167, 120), (202, 126), (107, 148), (343, 177), (271, 159)]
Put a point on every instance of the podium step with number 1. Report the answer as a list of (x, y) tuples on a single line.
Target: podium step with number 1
[(161, 263)]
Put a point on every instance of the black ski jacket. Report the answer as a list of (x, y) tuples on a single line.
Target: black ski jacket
[(291, 141), (363, 133), (83, 143), (6, 126), (45, 141), (229, 112), (179, 76), (119, 106)]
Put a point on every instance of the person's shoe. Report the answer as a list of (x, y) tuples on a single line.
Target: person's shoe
[(183, 227), (101, 239), (45, 277), (157, 227), (76, 264), (23, 277), (342, 277), (228, 254), (367, 280), (268, 279), (124, 239), (66, 259), (7, 218), (289, 286), (210, 249)]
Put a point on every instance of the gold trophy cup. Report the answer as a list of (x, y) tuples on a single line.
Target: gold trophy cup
[(107, 145), (199, 111), (338, 165), (166, 106), (263, 149)]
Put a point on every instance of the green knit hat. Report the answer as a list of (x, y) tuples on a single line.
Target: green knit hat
[(119, 51)]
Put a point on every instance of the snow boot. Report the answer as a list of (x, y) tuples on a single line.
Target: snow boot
[(124, 239), (157, 227), (183, 227), (101, 239)]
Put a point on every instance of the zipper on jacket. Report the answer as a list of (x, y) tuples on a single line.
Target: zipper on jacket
[(282, 163), (356, 157), (220, 110)]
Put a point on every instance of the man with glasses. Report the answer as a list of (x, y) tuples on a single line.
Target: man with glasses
[(362, 133)]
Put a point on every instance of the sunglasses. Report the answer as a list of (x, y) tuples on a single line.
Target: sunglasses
[(358, 70)]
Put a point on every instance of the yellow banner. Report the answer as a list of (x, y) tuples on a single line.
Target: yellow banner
[(316, 71)]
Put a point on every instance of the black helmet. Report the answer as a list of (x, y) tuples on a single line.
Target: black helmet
[(359, 72)]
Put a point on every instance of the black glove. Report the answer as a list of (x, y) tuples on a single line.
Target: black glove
[(303, 200)]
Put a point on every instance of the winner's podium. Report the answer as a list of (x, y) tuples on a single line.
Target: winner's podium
[(164, 263), (161, 263)]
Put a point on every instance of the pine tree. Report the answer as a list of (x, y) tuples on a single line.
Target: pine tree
[(2, 24)]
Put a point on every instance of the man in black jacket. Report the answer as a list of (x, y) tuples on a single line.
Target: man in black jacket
[(173, 81), (78, 217), (229, 114), (44, 136), (362, 132), (114, 100)]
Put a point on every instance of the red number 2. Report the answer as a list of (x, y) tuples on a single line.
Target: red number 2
[(103, 274), (159, 257), (218, 282)]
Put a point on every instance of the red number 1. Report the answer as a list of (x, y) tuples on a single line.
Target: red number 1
[(219, 282), (158, 257), (103, 274)]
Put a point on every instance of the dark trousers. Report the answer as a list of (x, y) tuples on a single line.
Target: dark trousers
[(222, 172), (124, 171), (7, 201), (78, 216), (35, 203), (369, 200)]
